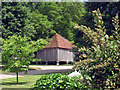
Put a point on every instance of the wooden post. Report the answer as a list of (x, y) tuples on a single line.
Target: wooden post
[(67, 62), (57, 62), (46, 62)]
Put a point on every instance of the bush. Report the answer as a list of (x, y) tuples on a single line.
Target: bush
[(101, 61), (57, 81)]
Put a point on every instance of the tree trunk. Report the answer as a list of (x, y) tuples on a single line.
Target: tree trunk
[(17, 77)]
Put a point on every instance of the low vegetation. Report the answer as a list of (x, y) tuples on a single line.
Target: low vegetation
[(58, 81), (25, 81)]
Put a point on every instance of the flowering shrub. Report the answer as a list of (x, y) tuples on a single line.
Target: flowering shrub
[(101, 61)]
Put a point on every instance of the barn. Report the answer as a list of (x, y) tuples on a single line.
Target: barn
[(58, 50)]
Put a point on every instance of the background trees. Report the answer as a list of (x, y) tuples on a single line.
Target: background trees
[(16, 20), (60, 17), (42, 26), (41, 19), (108, 10)]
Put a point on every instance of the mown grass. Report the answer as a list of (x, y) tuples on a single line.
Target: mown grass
[(24, 82)]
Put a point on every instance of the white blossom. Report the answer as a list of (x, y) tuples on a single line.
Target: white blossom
[(106, 36), (75, 73), (116, 57), (117, 53), (102, 38), (93, 76), (118, 41)]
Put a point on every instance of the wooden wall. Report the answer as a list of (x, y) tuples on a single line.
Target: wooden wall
[(47, 54), (65, 55), (55, 54)]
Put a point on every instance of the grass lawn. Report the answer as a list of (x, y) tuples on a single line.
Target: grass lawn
[(24, 82)]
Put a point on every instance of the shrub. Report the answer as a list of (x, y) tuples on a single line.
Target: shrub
[(102, 60), (57, 81)]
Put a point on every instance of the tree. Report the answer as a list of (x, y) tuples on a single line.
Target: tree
[(102, 60), (16, 20), (108, 10), (42, 26), (0, 49), (18, 52), (61, 16), (41, 19)]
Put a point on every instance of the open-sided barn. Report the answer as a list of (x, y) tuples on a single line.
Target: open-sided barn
[(58, 50)]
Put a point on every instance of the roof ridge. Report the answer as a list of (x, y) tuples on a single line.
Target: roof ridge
[(58, 41)]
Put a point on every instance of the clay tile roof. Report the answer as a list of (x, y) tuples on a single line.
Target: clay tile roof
[(57, 41)]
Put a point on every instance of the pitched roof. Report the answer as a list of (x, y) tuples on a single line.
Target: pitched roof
[(57, 41)]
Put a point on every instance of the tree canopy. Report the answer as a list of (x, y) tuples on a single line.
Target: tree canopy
[(41, 19), (108, 10), (16, 20)]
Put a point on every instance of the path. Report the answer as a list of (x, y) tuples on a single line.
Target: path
[(43, 70)]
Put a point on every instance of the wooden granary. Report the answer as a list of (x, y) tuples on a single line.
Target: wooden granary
[(58, 50)]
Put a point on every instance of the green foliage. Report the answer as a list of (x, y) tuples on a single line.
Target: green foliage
[(16, 20), (18, 52), (41, 19), (108, 9), (102, 60), (42, 25), (57, 81), (57, 17), (0, 49)]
